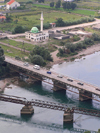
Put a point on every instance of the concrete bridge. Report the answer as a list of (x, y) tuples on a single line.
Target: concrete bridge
[(85, 90), (29, 110)]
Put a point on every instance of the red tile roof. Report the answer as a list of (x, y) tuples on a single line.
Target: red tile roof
[(2, 17), (10, 2)]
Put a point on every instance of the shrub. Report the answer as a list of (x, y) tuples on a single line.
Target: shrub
[(17, 58)]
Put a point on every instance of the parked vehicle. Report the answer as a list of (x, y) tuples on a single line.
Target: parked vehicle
[(26, 64), (36, 67), (97, 89), (48, 72), (80, 83), (70, 80), (59, 76)]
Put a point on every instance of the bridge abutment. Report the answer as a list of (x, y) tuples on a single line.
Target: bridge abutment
[(57, 86), (84, 95), (27, 110), (68, 116)]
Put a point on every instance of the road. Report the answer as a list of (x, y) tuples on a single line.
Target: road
[(97, 21), (53, 76)]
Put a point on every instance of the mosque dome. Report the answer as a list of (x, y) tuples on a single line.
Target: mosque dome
[(34, 30)]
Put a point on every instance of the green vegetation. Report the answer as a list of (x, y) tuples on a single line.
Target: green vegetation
[(22, 45), (39, 56), (3, 67), (70, 49), (61, 23), (32, 18), (13, 52)]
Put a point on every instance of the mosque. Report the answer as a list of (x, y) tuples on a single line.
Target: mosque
[(35, 35)]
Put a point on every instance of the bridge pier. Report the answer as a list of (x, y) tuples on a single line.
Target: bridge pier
[(68, 116), (84, 95), (27, 110), (57, 86)]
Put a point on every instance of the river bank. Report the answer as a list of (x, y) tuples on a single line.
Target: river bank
[(6, 82), (84, 52)]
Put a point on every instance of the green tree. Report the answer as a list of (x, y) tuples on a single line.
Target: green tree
[(64, 5), (98, 130), (8, 18), (2, 57), (3, 66), (87, 132), (44, 53), (37, 59), (61, 52), (40, 1), (60, 22), (73, 5), (19, 29), (58, 4), (68, 5), (52, 4)]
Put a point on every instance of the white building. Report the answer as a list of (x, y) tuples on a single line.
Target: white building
[(12, 4), (35, 35)]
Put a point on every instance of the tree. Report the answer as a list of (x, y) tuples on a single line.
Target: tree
[(52, 4), (87, 132), (73, 6), (40, 1), (8, 18), (60, 22), (2, 57), (61, 52), (41, 51), (64, 5), (58, 4), (3, 66), (19, 29), (37, 59), (68, 5)]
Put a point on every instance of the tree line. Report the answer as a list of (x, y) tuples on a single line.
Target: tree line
[(3, 66), (65, 5), (39, 56), (72, 49)]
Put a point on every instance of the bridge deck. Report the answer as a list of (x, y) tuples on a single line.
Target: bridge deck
[(48, 105), (53, 76)]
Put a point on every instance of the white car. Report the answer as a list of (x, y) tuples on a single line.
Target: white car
[(59, 76), (26, 64), (36, 67)]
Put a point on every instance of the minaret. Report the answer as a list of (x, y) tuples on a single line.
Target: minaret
[(41, 21)]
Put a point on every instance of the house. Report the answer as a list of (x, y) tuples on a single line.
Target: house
[(12, 4), (2, 17)]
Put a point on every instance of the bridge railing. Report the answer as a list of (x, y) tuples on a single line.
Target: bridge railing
[(66, 76), (75, 79)]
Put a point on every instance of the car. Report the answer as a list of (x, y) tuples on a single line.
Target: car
[(48, 72), (80, 83), (36, 67), (70, 80), (59, 76), (97, 89), (26, 64)]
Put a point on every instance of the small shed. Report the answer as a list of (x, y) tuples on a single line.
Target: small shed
[(53, 25)]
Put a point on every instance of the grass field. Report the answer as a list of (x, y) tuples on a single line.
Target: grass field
[(32, 18), (13, 52), (27, 46)]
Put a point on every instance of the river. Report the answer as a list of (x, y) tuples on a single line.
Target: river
[(45, 120)]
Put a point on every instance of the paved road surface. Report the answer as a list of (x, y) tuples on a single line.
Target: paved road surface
[(43, 72)]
